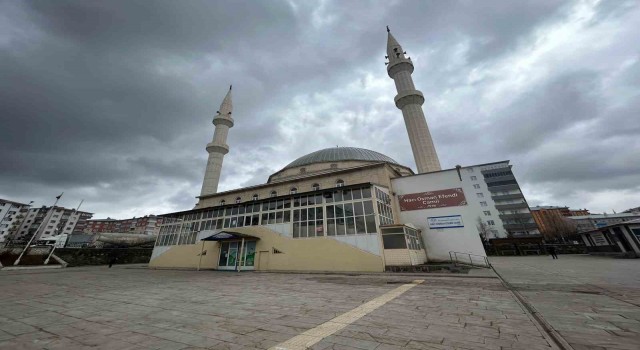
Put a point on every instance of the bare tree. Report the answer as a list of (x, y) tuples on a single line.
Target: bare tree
[(483, 229), (559, 227)]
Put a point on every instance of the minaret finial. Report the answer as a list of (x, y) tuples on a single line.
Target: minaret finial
[(388, 30)]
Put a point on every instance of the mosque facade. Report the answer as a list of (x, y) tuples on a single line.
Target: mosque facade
[(340, 208)]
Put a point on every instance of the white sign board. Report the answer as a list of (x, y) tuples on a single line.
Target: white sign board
[(449, 221), (61, 240)]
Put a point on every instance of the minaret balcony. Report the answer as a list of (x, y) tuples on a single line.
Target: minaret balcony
[(228, 121), (408, 97), (397, 65), (217, 148)]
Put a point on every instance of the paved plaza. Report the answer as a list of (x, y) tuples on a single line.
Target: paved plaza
[(592, 302), (137, 308)]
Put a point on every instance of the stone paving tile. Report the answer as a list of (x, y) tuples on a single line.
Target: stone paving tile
[(592, 302), (445, 314), (97, 308)]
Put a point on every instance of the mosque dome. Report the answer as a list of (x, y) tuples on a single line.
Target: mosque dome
[(336, 154)]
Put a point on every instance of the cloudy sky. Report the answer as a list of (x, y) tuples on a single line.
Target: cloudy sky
[(112, 101)]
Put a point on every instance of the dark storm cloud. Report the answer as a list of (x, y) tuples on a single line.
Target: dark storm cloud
[(112, 101), (547, 110)]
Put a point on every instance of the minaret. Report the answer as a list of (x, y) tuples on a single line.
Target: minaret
[(218, 147), (410, 101)]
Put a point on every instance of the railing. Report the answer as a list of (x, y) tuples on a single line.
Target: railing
[(453, 256)]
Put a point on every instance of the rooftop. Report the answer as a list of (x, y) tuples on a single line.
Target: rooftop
[(336, 154)]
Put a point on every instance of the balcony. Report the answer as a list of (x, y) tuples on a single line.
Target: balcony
[(503, 188), (499, 178), (521, 205), (516, 216), (504, 197), (523, 226)]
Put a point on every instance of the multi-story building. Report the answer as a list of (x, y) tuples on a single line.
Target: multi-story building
[(12, 215), (148, 224), (554, 222), (54, 222), (595, 221), (507, 197), (635, 210), (578, 212), (548, 216), (100, 225)]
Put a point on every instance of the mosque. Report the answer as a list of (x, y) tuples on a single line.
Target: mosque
[(337, 209)]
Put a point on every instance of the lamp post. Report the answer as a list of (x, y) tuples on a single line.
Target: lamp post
[(45, 219)]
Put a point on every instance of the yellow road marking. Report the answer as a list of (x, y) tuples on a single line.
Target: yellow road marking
[(314, 335)]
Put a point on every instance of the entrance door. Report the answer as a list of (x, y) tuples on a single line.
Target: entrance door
[(229, 254)]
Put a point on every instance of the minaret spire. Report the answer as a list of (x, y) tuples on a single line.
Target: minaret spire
[(217, 148), (410, 101)]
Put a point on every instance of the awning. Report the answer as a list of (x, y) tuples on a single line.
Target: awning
[(225, 235)]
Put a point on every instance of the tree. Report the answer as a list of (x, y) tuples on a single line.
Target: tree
[(559, 227), (483, 230)]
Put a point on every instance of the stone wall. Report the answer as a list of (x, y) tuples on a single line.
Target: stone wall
[(90, 256)]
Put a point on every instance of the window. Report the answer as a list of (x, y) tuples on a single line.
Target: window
[(273, 194), (255, 197), (303, 170), (339, 183), (490, 222), (474, 178), (334, 166), (223, 202), (480, 195), (315, 187), (476, 186), (293, 190), (238, 199), (487, 213), (470, 170), (483, 204)]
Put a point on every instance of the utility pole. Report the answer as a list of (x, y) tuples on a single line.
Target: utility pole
[(45, 219)]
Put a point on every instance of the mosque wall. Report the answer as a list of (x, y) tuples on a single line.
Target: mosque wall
[(276, 252), (186, 256), (439, 240), (311, 169), (380, 175)]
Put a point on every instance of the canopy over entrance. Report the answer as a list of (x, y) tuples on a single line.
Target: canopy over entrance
[(227, 235)]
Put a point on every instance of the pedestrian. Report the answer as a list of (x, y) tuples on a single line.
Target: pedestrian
[(552, 251), (112, 261)]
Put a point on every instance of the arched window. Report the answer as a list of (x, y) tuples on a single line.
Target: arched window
[(339, 183), (223, 202), (293, 190), (255, 197), (274, 194), (238, 199), (315, 187)]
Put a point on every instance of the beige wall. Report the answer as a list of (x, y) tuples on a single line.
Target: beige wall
[(307, 254), (187, 256), (310, 169), (380, 175)]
